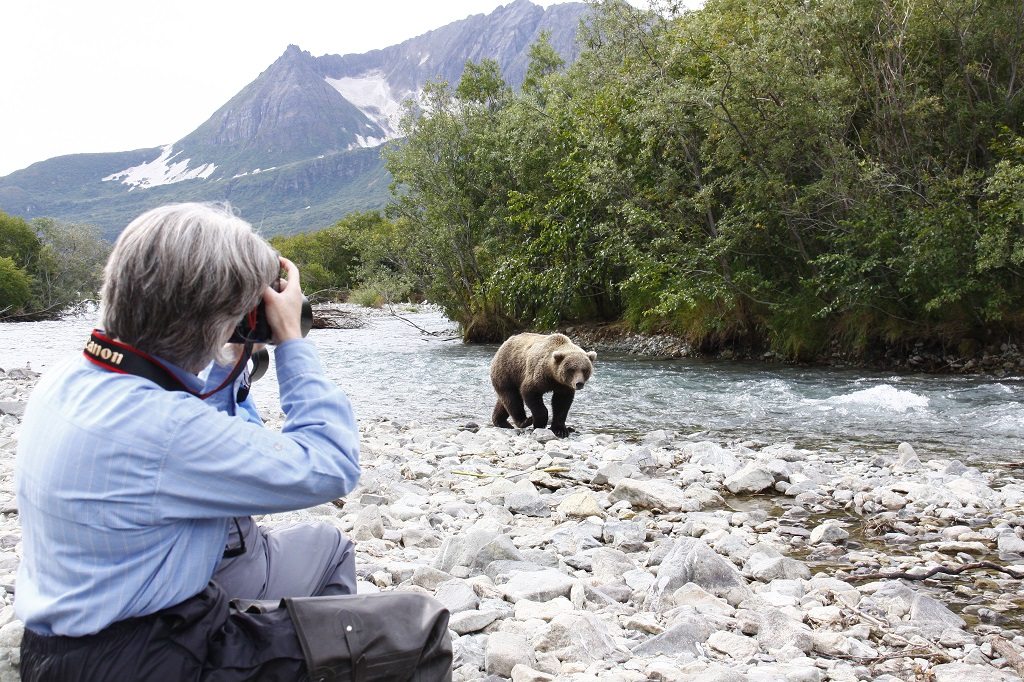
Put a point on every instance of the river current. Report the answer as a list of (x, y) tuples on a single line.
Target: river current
[(391, 369)]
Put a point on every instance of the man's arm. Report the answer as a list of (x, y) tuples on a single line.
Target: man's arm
[(217, 465)]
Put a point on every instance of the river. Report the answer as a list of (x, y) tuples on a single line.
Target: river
[(392, 370)]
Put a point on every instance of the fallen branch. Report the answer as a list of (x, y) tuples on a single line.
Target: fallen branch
[(1007, 650), (938, 569), (915, 651), (391, 309), (332, 318)]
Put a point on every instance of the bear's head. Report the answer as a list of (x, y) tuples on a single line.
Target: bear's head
[(573, 367)]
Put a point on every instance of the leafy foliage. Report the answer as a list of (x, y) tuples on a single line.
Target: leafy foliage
[(15, 286), (47, 267), (834, 174)]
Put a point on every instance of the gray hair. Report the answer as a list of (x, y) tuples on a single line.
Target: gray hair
[(179, 279)]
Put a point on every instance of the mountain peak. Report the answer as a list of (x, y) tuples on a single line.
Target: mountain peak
[(294, 52)]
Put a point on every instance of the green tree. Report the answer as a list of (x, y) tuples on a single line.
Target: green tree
[(15, 288), (18, 241), (326, 259), (452, 184), (69, 268)]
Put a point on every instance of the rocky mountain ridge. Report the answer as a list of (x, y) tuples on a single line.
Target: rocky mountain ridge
[(299, 147)]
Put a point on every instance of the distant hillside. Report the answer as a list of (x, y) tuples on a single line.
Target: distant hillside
[(297, 148)]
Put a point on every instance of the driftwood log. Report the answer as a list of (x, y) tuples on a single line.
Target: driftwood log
[(947, 570), (333, 318)]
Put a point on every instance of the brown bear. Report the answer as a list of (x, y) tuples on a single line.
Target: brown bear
[(529, 365)]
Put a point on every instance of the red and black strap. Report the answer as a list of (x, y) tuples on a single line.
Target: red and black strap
[(119, 357)]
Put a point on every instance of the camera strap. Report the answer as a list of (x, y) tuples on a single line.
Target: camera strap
[(121, 358)]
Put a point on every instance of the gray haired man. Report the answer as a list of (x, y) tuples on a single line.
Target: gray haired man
[(139, 469)]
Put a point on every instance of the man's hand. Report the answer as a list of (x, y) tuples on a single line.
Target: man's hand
[(284, 308)]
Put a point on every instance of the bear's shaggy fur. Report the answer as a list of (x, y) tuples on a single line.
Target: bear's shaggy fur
[(529, 365)]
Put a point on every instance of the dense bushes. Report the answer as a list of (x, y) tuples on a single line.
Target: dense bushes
[(359, 257)]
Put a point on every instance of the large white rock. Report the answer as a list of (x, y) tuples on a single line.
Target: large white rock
[(769, 568), (753, 478), (579, 636), (610, 565), (538, 585), (456, 595), (691, 561), (506, 650), (777, 631), (703, 601), (527, 609), (732, 645), (1008, 542), (829, 532), (466, 622), (580, 505), (712, 458), (651, 494)]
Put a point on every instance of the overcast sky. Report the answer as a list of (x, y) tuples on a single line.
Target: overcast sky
[(113, 75)]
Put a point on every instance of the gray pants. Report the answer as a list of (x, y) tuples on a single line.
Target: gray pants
[(302, 560)]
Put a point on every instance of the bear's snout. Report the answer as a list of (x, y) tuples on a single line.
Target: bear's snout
[(579, 385)]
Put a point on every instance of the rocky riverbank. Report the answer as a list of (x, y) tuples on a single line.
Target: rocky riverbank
[(666, 558)]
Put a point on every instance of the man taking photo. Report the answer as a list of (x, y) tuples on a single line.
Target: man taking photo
[(141, 463)]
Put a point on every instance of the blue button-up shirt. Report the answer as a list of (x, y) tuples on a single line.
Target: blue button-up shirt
[(126, 491)]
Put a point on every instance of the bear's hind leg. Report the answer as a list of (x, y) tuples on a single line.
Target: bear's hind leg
[(499, 417), (510, 404)]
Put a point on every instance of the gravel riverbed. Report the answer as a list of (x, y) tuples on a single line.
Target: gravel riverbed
[(665, 557)]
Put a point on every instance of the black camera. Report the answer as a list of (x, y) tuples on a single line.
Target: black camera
[(254, 327)]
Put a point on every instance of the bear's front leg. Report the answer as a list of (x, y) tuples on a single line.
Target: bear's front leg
[(561, 401), (535, 401)]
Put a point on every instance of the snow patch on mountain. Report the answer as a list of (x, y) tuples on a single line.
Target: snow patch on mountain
[(163, 170), (369, 141), (372, 94)]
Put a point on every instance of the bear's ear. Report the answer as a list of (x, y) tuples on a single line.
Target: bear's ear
[(558, 356), (592, 355)]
